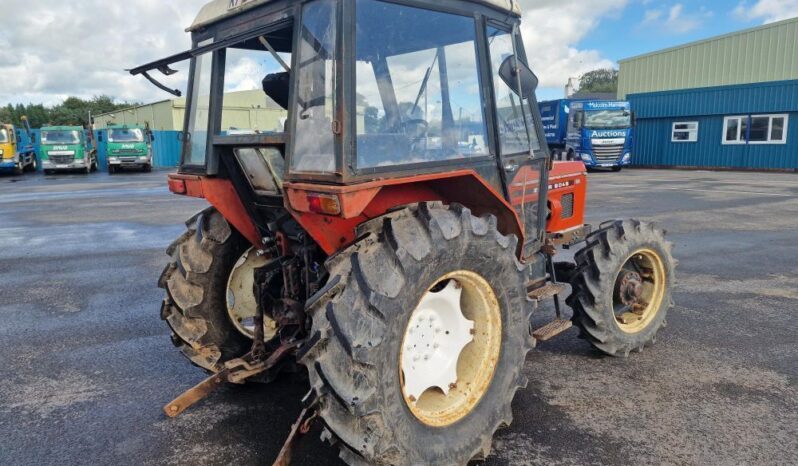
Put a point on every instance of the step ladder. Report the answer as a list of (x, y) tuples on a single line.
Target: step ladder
[(550, 290)]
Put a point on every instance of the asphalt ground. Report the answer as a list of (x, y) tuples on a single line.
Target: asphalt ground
[(87, 364)]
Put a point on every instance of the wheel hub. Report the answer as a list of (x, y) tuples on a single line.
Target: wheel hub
[(450, 350), (436, 335), (630, 288), (639, 290), (242, 307)]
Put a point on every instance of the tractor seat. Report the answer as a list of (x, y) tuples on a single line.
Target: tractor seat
[(276, 86)]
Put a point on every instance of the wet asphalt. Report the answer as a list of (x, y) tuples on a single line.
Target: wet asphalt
[(87, 364)]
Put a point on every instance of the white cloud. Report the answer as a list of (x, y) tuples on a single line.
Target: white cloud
[(54, 48), (768, 11), (674, 20), (553, 29)]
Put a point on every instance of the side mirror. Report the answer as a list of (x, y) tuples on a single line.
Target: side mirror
[(514, 73), (152, 137), (579, 119)]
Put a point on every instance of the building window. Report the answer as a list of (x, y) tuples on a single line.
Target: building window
[(685, 132), (755, 129), (735, 129)]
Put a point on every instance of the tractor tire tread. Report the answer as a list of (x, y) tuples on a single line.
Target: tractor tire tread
[(195, 281), (593, 281), (355, 318)]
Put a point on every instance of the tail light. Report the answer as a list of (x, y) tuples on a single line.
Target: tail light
[(325, 204)]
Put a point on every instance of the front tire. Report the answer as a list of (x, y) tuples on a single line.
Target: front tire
[(360, 326), (195, 306), (622, 286)]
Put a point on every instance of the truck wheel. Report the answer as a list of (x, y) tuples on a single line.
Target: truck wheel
[(34, 164), (420, 338), (147, 168), (617, 169), (111, 170), (196, 284), (622, 286), (20, 168)]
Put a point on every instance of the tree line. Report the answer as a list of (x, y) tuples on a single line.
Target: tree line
[(73, 111)]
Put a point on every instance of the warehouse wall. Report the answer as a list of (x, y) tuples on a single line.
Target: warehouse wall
[(657, 111), (762, 54)]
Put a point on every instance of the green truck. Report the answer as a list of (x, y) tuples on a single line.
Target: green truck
[(67, 148), (129, 147)]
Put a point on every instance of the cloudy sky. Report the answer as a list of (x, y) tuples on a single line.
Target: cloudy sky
[(50, 49)]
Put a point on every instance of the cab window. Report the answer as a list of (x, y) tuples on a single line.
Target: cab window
[(418, 87), (256, 84), (316, 101), (516, 128), (198, 118)]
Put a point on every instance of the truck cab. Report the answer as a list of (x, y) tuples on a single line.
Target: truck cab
[(600, 133), (596, 132), (67, 148), (17, 152), (128, 147)]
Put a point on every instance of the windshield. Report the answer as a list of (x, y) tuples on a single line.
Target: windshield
[(125, 135), (60, 137), (3, 135), (608, 119)]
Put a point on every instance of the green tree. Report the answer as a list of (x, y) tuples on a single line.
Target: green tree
[(601, 80), (73, 111)]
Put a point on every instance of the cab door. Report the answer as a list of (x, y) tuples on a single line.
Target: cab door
[(522, 158)]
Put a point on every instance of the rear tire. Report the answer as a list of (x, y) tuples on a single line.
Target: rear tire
[(361, 317), (195, 281), (595, 284)]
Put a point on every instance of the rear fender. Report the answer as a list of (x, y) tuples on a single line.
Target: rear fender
[(221, 194), (363, 202)]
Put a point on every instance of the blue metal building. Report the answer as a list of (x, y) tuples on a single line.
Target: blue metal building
[(752, 126), (725, 102)]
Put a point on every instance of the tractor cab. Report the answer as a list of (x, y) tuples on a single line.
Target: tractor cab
[(327, 92)]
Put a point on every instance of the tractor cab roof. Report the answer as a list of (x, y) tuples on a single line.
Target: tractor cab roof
[(218, 10)]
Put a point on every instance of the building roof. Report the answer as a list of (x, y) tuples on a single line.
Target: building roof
[(761, 54), (217, 10)]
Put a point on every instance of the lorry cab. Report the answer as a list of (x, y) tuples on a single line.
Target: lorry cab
[(17, 152), (67, 148), (600, 133), (128, 147)]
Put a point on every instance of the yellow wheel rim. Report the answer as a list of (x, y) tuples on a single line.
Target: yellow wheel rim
[(639, 290), (450, 350)]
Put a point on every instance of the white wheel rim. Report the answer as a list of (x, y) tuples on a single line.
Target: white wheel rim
[(450, 349), (436, 335), (241, 304)]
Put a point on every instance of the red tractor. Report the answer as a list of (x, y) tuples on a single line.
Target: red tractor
[(394, 229)]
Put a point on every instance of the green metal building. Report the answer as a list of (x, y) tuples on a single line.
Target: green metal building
[(724, 102)]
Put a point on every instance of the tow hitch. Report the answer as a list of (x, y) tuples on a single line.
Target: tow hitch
[(236, 371)]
